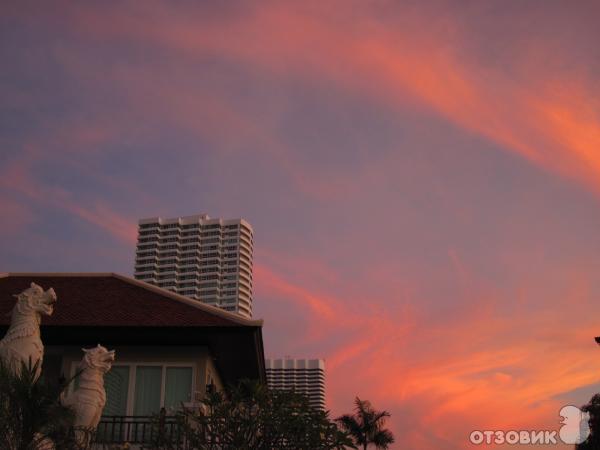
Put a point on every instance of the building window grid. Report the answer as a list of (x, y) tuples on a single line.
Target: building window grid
[(174, 249)]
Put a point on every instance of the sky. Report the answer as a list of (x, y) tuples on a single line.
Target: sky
[(423, 180)]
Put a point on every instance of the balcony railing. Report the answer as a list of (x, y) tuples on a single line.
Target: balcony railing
[(138, 430)]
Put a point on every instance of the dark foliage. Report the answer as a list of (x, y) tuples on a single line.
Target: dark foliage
[(31, 415), (250, 416)]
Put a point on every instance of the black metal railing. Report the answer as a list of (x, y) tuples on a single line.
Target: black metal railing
[(138, 430)]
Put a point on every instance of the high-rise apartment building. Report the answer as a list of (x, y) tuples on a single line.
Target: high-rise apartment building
[(306, 376), (206, 259)]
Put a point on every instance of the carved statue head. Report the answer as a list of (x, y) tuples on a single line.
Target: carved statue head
[(34, 298), (98, 358)]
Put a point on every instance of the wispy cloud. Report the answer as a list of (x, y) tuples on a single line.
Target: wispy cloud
[(553, 125), (18, 177)]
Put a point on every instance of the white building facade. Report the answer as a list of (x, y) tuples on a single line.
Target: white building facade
[(203, 258), (305, 376)]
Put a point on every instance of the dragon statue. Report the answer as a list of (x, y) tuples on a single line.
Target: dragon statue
[(22, 343), (89, 398)]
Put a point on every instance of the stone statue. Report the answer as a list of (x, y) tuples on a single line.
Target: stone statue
[(89, 398), (22, 343)]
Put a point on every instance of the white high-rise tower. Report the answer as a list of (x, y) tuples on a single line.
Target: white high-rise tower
[(206, 259)]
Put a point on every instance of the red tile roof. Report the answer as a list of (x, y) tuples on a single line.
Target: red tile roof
[(113, 300)]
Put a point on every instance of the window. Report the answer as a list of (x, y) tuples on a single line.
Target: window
[(178, 386), (148, 381), (143, 389), (210, 262), (142, 262), (187, 277), (145, 276), (146, 246), (116, 383)]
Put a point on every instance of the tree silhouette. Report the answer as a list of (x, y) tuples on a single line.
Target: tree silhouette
[(366, 425)]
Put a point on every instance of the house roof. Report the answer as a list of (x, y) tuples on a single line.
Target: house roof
[(114, 309), (115, 300)]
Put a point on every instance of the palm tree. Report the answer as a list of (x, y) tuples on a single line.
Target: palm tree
[(366, 425)]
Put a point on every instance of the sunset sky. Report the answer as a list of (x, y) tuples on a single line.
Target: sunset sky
[(423, 179)]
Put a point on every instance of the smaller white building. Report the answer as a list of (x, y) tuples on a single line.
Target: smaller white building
[(305, 376)]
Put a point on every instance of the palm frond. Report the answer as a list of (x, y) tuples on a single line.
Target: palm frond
[(366, 425)]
